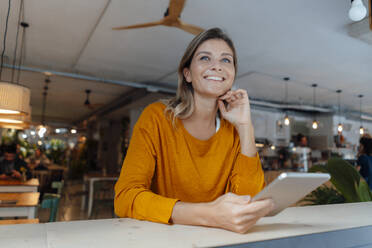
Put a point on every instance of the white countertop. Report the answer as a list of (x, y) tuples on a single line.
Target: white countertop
[(132, 233)]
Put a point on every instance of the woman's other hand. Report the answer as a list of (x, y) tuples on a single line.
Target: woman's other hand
[(237, 213), (238, 110)]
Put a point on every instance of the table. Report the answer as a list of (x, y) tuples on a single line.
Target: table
[(90, 179), (19, 186), (338, 225), (19, 221), (24, 207)]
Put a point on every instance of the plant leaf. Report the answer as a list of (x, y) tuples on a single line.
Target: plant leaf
[(345, 178), (364, 191)]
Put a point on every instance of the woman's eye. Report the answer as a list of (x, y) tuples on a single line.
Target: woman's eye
[(206, 58), (226, 60)]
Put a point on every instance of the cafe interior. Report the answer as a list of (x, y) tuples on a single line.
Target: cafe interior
[(76, 75)]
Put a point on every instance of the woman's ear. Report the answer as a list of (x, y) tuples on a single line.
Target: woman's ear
[(187, 74)]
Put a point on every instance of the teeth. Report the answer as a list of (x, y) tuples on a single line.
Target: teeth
[(215, 78)]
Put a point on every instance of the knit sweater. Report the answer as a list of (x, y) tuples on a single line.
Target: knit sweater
[(166, 164)]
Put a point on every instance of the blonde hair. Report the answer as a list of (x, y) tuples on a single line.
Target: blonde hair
[(182, 105)]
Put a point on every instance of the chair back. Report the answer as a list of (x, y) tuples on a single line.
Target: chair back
[(58, 185)]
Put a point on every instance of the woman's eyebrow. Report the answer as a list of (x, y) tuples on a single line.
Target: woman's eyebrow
[(227, 54), (209, 53)]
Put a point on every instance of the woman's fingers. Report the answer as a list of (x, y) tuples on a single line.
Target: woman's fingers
[(259, 208), (232, 96)]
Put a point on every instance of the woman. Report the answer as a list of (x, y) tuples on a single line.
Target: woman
[(364, 162), (185, 164)]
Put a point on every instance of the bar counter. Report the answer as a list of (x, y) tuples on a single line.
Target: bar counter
[(338, 225)]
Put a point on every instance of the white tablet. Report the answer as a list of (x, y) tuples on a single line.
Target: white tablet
[(290, 187)]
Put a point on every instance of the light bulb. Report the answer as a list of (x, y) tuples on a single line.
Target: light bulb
[(340, 127), (315, 124), (272, 147), (361, 130), (73, 131), (357, 11), (286, 120)]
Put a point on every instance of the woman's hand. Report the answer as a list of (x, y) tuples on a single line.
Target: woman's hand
[(237, 111), (237, 213)]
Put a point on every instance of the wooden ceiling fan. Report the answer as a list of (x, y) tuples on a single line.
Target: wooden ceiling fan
[(171, 19)]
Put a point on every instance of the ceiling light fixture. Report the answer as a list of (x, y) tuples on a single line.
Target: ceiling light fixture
[(361, 129), (45, 94), (315, 123), (14, 98), (339, 126), (286, 118), (357, 11)]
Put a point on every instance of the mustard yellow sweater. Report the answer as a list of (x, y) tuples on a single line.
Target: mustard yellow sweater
[(164, 165)]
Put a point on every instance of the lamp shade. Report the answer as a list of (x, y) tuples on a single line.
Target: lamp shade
[(15, 121), (14, 99)]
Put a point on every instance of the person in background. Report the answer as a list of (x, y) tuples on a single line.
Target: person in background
[(38, 161), (302, 140), (192, 159), (11, 166), (364, 162)]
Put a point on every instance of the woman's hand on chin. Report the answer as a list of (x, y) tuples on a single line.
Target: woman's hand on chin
[(237, 111)]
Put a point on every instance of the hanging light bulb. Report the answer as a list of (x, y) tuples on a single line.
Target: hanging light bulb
[(339, 127), (357, 11), (315, 124), (361, 130), (286, 120)]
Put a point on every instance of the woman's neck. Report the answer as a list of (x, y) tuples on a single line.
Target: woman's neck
[(205, 110)]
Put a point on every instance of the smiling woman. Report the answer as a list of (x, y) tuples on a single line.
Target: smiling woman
[(182, 166)]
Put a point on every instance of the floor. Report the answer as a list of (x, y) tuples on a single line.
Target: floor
[(70, 206)]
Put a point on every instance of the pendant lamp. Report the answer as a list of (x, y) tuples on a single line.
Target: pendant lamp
[(339, 126), (315, 122), (15, 110)]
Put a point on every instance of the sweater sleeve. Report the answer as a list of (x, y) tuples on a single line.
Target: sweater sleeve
[(133, 197), (247, 177)]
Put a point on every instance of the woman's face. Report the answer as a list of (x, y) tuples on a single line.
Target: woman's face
[(212, 69)]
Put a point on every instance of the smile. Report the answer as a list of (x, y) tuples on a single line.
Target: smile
[(215, 78)]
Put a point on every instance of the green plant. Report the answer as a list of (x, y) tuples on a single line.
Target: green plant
[(56, 151), (324, 195), (346, 180)]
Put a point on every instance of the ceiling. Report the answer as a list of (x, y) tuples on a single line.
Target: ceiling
[(304, 40)]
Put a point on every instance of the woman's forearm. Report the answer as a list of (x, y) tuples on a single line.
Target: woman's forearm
[(247, 140), (191, 214)]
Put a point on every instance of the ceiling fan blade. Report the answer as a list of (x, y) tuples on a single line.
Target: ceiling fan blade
[(189, 28), (143, 25), (175, 8)]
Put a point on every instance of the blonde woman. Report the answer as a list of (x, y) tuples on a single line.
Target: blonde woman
[(192, 159)]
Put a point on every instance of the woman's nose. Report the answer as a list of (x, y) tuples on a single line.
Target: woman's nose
[(216, 66)]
